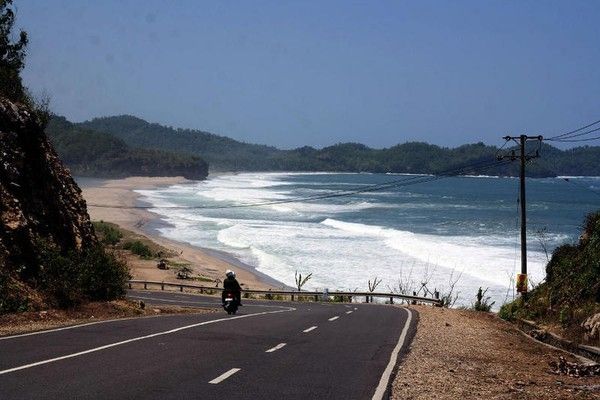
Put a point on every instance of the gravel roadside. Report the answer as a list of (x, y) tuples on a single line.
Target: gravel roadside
[(462, 354)]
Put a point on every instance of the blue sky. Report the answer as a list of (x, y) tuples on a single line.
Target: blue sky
[(321, 72)]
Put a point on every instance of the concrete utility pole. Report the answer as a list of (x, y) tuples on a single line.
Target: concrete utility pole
[(523, 158)]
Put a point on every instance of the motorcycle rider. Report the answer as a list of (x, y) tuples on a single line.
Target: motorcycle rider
[(230, 284)]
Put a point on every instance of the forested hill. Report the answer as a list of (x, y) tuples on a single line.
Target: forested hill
[(226, 154), (98, 154)]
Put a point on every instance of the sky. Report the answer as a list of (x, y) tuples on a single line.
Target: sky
[(294, 73)]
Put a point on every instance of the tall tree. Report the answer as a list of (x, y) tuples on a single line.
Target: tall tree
[(12, 55)]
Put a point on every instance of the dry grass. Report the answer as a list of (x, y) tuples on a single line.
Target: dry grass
[(461, 354), (11, 324)]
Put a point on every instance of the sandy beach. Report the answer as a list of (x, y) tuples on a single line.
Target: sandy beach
[(120, 192)]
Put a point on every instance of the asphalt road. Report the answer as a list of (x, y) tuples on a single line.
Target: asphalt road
[(269, 350)]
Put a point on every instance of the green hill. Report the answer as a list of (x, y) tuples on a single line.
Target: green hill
[(98, 154), (226, 154)]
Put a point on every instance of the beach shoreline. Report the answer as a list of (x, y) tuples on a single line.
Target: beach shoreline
[(121, 194)]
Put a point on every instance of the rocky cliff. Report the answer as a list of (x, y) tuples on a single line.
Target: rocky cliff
[(40, 204)]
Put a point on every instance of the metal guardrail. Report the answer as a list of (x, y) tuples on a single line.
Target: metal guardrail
[(292, 293)]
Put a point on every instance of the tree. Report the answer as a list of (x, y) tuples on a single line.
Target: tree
[(12, 55)]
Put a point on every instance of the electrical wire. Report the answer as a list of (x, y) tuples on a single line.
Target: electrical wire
[(479, 166), (578, 140), (568, 134)]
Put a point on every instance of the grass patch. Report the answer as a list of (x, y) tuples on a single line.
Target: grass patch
[(139, 248), (108, 233)]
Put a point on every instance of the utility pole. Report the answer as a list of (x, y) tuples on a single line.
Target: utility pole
[(523, 158)]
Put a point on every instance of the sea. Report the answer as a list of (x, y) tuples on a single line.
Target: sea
[(411, 233)]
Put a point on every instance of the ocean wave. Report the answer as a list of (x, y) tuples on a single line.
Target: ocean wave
[(577, 177), (470, 255)]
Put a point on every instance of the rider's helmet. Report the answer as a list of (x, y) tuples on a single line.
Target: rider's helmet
[(230, 274)]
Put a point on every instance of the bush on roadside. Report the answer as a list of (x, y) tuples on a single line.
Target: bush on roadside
[(482, 302), (76, 277), (571, 291), (11, 298), (508, 311)]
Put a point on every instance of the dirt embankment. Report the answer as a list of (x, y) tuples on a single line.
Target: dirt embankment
[(461, 354)]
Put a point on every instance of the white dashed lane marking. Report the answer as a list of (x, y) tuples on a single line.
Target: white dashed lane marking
[(226, 375), (279, 346)]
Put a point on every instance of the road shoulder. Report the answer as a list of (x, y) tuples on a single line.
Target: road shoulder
[(31, 321), (470, 355)]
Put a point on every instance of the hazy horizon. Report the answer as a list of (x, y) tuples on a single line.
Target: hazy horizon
[(316, 74)]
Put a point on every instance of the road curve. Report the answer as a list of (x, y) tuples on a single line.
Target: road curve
[(269, 350)]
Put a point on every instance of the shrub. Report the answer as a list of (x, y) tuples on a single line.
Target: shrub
[(482, 303), (92, 274), (511, 311), (184, 273), (139, 248), (108, 234), (11, 297)]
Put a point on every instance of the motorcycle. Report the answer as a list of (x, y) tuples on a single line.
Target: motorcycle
[(230, 303)]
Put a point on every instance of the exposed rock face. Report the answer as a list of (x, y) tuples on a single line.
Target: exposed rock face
[(591, 327), (39, 200)]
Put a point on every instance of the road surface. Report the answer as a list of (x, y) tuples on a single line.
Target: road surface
[(269, 350)]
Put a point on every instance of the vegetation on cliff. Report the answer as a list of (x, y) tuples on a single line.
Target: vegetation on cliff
[(570, 293), (12, 56), (49, 253), (226, 154)]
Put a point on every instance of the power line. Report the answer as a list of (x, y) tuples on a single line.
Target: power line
[(575, 131), (569, 140), (479, 166)]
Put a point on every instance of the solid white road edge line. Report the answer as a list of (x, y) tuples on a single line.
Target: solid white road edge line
[(272, 349), (387, 373), (349, 312), (107, 321), (226, 375), (333, 318), (108, 346), (312, 328)]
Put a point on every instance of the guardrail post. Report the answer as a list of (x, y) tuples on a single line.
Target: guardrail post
[(181, 288), (316, 297), (129, 285), (414, 301), (391, 300), (162, 286), (145, 285), (201, 291), (292, 297)]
